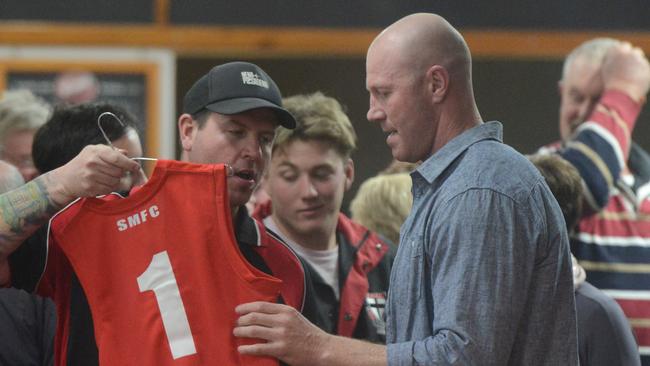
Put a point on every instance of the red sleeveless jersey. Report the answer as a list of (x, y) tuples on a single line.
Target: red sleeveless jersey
[(162, 271)]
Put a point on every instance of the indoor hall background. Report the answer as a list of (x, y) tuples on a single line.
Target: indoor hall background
[(520, 93), (309, 45)]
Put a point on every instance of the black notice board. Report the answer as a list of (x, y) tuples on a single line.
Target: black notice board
[(127, 90), (134, 86)]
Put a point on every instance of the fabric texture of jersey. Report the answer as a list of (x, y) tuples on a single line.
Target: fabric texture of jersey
[(365, 262), (161, 269), (612, 241)]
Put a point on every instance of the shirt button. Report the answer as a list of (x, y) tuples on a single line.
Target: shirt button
[(378, 247), (347, 317)]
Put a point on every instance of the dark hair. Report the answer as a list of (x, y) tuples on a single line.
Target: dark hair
[(70, 129), (565, 183), (201, 117)]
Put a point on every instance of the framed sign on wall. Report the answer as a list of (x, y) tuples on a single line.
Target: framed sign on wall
[(140, 80)]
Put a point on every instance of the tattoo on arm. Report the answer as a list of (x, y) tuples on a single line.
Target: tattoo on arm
[(25, 209)]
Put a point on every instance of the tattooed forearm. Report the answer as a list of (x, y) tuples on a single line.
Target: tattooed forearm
[(25, 209)]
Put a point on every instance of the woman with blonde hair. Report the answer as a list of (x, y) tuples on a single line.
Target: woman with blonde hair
[(382, 204)]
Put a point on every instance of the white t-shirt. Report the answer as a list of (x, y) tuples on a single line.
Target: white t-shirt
[(325, 262)]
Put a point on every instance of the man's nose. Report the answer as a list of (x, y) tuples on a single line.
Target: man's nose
[(307, 188), (375, 114), (252, 149)]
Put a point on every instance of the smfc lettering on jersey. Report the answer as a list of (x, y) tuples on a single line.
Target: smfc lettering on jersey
[(137, 218)]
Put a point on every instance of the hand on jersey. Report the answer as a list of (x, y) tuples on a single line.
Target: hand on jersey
[(288, 335), (626, 68), (97, 170)]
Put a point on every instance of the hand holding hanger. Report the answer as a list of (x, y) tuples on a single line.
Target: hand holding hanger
[(97, 170)]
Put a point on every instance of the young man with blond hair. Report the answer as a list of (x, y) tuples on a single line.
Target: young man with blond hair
[(310, 171)]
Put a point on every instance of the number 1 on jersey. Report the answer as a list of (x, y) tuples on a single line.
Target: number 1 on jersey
[(159, 278)]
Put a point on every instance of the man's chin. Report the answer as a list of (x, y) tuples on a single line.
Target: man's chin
[(237, 199)]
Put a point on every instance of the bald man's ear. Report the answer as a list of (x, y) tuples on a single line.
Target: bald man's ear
[(438, 82)]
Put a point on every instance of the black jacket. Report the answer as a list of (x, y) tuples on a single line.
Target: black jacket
[(365, 261)]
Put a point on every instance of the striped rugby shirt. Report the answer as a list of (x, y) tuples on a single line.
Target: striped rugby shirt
[(612, 241)]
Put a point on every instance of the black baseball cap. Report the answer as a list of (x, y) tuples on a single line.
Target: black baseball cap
[(236, 87)]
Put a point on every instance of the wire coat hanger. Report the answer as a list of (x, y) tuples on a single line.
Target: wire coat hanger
[(108, 141), (230, 171)]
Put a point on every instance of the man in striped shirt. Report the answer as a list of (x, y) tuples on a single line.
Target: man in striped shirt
[(603, 89)]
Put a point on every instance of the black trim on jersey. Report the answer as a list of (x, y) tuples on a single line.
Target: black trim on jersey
[(27, 262), (82, 348), (247, 239)]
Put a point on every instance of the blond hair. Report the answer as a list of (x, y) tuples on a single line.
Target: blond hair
[(382, 204), (397, 166), (21, 110), (318, 117)]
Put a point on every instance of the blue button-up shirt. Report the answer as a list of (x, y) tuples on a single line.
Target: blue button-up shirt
[(483, 271)]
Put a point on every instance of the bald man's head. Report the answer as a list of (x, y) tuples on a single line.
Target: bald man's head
[(419, 41), (418, 74)]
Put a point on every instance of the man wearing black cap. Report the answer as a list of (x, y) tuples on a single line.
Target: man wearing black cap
[(230, 116)]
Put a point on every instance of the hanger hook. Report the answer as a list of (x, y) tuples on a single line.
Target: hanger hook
[(99, 124)]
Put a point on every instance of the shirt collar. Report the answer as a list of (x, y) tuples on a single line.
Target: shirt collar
[(431, 168)]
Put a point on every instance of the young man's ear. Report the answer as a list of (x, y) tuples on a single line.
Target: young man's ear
[(438, 79), (349, 173), (187, 128)]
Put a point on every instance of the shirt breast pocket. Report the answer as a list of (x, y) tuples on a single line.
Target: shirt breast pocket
[(407, 276)]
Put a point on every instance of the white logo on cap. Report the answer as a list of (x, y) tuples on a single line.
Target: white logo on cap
[(252, 78)]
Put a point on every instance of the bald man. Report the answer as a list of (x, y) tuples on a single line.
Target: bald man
[(483, 266)]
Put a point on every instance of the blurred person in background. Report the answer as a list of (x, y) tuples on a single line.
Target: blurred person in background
[(602, 91), (28, 322), (21, 114), (604, 334), (382, 203)]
